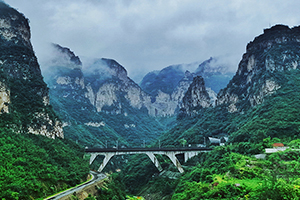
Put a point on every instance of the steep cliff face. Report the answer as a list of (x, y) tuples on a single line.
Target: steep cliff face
[(110, 90), (24, 95), (196, 97), (275, 51)]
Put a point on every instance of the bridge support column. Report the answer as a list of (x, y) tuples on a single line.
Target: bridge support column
[(107, 157), (93, 156), (155, 161), (175, 161), (188, 155)]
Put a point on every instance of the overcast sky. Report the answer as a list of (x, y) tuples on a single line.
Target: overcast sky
[(146, 35)]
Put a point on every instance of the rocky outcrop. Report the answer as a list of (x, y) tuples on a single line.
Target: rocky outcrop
[(23, 92), (275, 51), (4, 98), (196, 97)]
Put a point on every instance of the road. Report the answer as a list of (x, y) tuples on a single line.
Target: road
[(95, 178)]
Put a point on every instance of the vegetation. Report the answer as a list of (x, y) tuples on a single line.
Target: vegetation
[(222, 174), (34, 166)]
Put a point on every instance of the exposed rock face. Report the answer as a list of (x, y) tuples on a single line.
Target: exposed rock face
[(108, 86), (4, 98), (168, 86), (23, 92), (276, 50), (196, 97), (14, 26)]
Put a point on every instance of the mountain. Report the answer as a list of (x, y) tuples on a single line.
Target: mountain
[(216, 74), (165, 80), (24, 96), (275, 51), (99, 104), (173, 82), (246, 108)]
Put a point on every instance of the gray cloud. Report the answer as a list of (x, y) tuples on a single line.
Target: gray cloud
[(152, 34)]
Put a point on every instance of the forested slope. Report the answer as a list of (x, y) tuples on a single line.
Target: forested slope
[(34, 166)]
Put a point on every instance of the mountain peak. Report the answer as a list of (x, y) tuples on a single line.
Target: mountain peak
[(196, 97), (65, 57)]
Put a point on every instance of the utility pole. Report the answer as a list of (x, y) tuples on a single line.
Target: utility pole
[(144, 144), (117, 144), (159, 144), (106, 144)]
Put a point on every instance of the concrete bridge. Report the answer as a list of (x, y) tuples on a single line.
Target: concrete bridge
[(108, 153)]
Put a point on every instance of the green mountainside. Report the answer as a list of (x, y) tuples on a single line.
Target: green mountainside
[(35, 166)]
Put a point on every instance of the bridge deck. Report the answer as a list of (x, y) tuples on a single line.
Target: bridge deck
[(186, 149)]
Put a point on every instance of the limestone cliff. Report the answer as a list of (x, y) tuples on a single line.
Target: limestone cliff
[(108, 86), (275, 51), (196, 97), (24, 99)]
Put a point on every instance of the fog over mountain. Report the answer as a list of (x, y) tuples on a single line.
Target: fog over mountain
[(149, 35)]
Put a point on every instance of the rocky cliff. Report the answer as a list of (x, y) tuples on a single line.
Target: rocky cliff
[(196, 97), (275, 51), (108, 86), (24, 96)]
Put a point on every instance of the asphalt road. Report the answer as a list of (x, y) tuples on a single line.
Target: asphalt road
[(95, 178)]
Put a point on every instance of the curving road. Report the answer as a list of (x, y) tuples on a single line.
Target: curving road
[(95, 178)]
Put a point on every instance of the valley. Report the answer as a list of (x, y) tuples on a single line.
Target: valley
[(65, 117)]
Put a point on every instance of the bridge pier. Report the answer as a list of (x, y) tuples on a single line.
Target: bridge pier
[(107, 157), (188, 155), (175, 161), (155, 161), (93, 156)]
